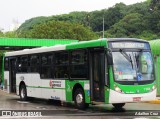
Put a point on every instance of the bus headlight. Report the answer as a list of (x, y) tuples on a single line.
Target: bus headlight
[(154, 87), (117, 89)]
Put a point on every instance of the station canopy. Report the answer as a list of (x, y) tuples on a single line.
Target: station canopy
[(155, 46), (27, 43)]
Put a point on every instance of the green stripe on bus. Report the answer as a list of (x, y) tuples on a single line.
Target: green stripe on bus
[(42, 87)]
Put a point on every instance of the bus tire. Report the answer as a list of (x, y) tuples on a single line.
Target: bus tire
[(118, 105), (79, 99), (23, 93)]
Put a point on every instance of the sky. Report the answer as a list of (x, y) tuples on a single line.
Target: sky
[(17, 11)]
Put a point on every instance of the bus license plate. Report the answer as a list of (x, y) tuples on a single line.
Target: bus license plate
[(137, 99)]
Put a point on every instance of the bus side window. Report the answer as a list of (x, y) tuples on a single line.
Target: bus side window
[(18, 62), (24, 64), (6, 65), (46, 66), (34, 63), (79, 66), (61, 64)]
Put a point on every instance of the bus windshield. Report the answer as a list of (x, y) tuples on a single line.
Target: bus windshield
[(133, 66)]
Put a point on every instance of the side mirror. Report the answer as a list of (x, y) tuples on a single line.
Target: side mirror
[(108, 53)]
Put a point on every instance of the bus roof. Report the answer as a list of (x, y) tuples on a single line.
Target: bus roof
[(36, 50), (76, 45), (127, 39), (101, 42), (82, 44)]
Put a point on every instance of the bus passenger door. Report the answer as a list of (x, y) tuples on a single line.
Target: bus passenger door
[(12, 75), (97, 65)]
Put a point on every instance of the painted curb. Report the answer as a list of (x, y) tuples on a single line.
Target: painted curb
[(154, 101)]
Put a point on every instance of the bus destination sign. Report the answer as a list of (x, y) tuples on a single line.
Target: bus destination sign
[(129, 45)]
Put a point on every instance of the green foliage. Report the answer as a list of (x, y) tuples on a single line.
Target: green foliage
[(10, 34), (1, 34), (129, 26), (111, 16), (78, 17), (155, 5), (141, 20), (153, 16), (28, 24), (59, 30), (141, 8), (147, 35)]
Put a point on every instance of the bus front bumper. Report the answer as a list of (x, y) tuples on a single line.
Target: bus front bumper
[(116, 97)]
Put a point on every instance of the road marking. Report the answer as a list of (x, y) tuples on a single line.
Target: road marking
[(41, 108), (22, 102)]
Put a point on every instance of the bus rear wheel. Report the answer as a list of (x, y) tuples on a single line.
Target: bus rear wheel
[(118, 105), (23, 93), (79, 99)]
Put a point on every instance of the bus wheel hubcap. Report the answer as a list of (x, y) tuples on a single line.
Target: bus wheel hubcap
[(22, 93), (79, 98)]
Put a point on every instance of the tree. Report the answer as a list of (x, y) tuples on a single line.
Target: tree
[(120, 20), (1, 34), (111, 16), (76, 17), (154, 16), (59, 30), (10, 34), (28, 24), (155, 4), (148, 35), (129, 26)]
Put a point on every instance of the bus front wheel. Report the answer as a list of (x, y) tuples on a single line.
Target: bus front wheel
[(79, 99), (23, 93), (118, 105)]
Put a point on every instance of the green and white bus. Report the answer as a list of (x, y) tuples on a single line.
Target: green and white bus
[(116, 71)]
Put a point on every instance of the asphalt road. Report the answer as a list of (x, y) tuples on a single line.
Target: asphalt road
[(12, 107)]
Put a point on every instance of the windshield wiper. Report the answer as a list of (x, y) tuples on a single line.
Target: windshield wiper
[(128, 57), (137, 57)]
